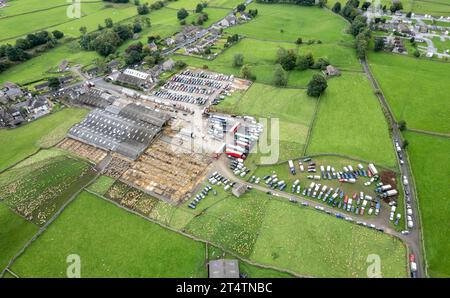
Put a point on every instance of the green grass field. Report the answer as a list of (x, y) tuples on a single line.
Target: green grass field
[(101, 185), (434, 7), (14, 233), (350, 122), (315, 244), (292, 107), (284, 22), (110, 243), (38, 191), (430, 162), (232, 223), (42, 66), (416, 90), (288, 236), (44, 132), (442, 46), (258, 54), (56, 18)]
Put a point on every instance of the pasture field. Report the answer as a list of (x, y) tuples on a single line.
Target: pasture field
[(135, 247), (42, 133), (15, 232), (151, 207), (416, 90), (101, 185), (224, 3), (350, 122), (315, 244), (285, 22), (292, 107), (260, 55), (92, 14), (43, 66), (232, 222), (430, 162), (39, 190), (434, 7), (442, 46), (250, 271)]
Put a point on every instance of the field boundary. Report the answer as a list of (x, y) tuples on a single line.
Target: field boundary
[(47, 224), (430, 133), (311, 126), (198, 239)]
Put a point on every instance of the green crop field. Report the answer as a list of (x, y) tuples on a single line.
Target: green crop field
[(14, 233), (350, 122), (430, 161), (292, 107), (416, 90), (442, 46), (44, 132), (315, 244), (40, 189), (111, 243)]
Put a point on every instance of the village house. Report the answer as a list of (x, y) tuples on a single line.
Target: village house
[(168, 65), (63, 66)]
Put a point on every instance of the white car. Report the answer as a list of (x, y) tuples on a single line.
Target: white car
[(405, 232)]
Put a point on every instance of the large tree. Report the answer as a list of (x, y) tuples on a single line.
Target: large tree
[(238, 60), (182, 14), (280, 76), (317, 85)]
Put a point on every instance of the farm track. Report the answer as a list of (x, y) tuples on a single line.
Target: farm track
[(415, 240)]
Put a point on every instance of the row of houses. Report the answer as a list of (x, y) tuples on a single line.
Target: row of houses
[(25, 111)]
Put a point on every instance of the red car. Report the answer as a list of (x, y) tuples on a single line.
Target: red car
[(411, 258)]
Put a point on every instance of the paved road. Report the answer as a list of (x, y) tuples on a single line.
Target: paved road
[(415, 236)]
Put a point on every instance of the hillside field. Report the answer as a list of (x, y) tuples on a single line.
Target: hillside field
[(416, 89), (44, 132), (430, 161)]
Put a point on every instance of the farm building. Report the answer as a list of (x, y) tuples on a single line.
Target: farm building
[(168, 65), (239, 189), (331, 71), (95, 98), (135, 78), (128, 133), (224, 268)]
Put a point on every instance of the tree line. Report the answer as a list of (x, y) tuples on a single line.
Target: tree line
[(25, 47)]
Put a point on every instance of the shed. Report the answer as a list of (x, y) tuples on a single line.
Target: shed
[(331, 71), (224, 268), (168, 65), (239, 189)]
